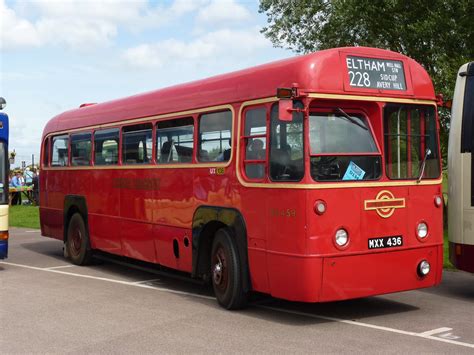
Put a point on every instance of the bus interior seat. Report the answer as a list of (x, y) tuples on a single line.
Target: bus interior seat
[(279, 161), (166, 152), (185, 154), (227, 154), (203, 155)]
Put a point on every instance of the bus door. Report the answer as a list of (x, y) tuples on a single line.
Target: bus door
[(103, 202), (467, 133), (137, 185), (286, 229), (173, 194)]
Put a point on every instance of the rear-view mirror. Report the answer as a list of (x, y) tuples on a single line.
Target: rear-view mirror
[(285, 110)]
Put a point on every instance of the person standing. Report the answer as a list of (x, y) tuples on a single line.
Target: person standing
[(35, 181), (17, 184)]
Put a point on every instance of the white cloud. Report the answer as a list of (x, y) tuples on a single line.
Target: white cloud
[(81, 24), (219, 12), (15, 31), (229, 44)]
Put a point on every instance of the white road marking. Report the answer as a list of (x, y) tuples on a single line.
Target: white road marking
[(32, 231), (449, 336), (145, 281), (109, 280), (368, 325), (58, 267), (437, 331), (424, 335)]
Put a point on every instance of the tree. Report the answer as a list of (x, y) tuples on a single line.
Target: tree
[(439, 34)]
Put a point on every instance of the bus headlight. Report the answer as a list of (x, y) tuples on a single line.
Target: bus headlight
[(438, 200), (341, 237), (422, 230), (423, 268)]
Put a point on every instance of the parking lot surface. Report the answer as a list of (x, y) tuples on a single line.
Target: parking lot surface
[(48, 305)]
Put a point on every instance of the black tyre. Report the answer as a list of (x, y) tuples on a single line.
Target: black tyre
[(77, 243), (226, 271)]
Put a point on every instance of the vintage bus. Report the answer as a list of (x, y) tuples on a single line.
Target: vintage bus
[(4, 188), (314, 179), (461, 177)]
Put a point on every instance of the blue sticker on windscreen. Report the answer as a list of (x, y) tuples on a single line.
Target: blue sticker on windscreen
[(353, 172)]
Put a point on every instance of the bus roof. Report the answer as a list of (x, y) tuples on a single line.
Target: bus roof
[(319, 72)]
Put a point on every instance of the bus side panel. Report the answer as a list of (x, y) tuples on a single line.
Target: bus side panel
[(44, 214), (254, 210), (165, 246), (172, 215), (137, 240), (459, 166), (286, 244), (53, 214), (136, 190), (295, 278), (103, 205)]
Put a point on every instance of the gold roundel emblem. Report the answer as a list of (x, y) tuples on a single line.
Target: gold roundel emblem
[(384, 204)]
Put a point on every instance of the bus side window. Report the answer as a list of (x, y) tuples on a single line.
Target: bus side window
[(106, 144), (175, 141), (81, 148), (60, 151), (255, 137), (46, 153), (215, 136), (467, 144), (137, 144), (409, 130)]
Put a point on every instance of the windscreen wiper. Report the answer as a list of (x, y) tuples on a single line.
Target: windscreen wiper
[(350, 119), (423, 164)]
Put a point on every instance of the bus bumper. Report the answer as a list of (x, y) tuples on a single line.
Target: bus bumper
[(462, 256), (323, 279)]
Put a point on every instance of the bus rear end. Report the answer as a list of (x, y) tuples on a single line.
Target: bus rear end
[(4, 189), (461, 177)]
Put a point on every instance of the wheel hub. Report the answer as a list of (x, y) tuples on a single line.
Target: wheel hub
[(217, 273), (219, 270), (76, 242)]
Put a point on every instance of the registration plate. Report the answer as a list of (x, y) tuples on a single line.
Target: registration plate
[(386, 242)]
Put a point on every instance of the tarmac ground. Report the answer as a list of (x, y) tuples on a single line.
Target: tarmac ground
[(48, 305)]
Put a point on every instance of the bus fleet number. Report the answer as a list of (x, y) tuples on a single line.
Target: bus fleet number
[(359, 79)]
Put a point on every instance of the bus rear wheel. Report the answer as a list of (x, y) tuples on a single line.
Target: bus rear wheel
[(226, 272), (77, 243)]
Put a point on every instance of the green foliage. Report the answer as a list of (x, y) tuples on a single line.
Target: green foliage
[(439, 34), (24, 216), (446, 263)]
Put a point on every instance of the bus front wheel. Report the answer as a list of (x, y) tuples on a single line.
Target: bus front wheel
[(226, 272), (77, 243)]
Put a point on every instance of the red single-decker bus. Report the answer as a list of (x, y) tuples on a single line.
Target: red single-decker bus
[(313, 179)]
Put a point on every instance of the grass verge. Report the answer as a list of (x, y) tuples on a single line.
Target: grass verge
[(24, 216), (446, 263)]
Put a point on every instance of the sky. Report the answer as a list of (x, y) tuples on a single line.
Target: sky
[(58, 54)]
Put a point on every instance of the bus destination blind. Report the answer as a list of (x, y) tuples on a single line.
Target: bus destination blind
[(371, 73)]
